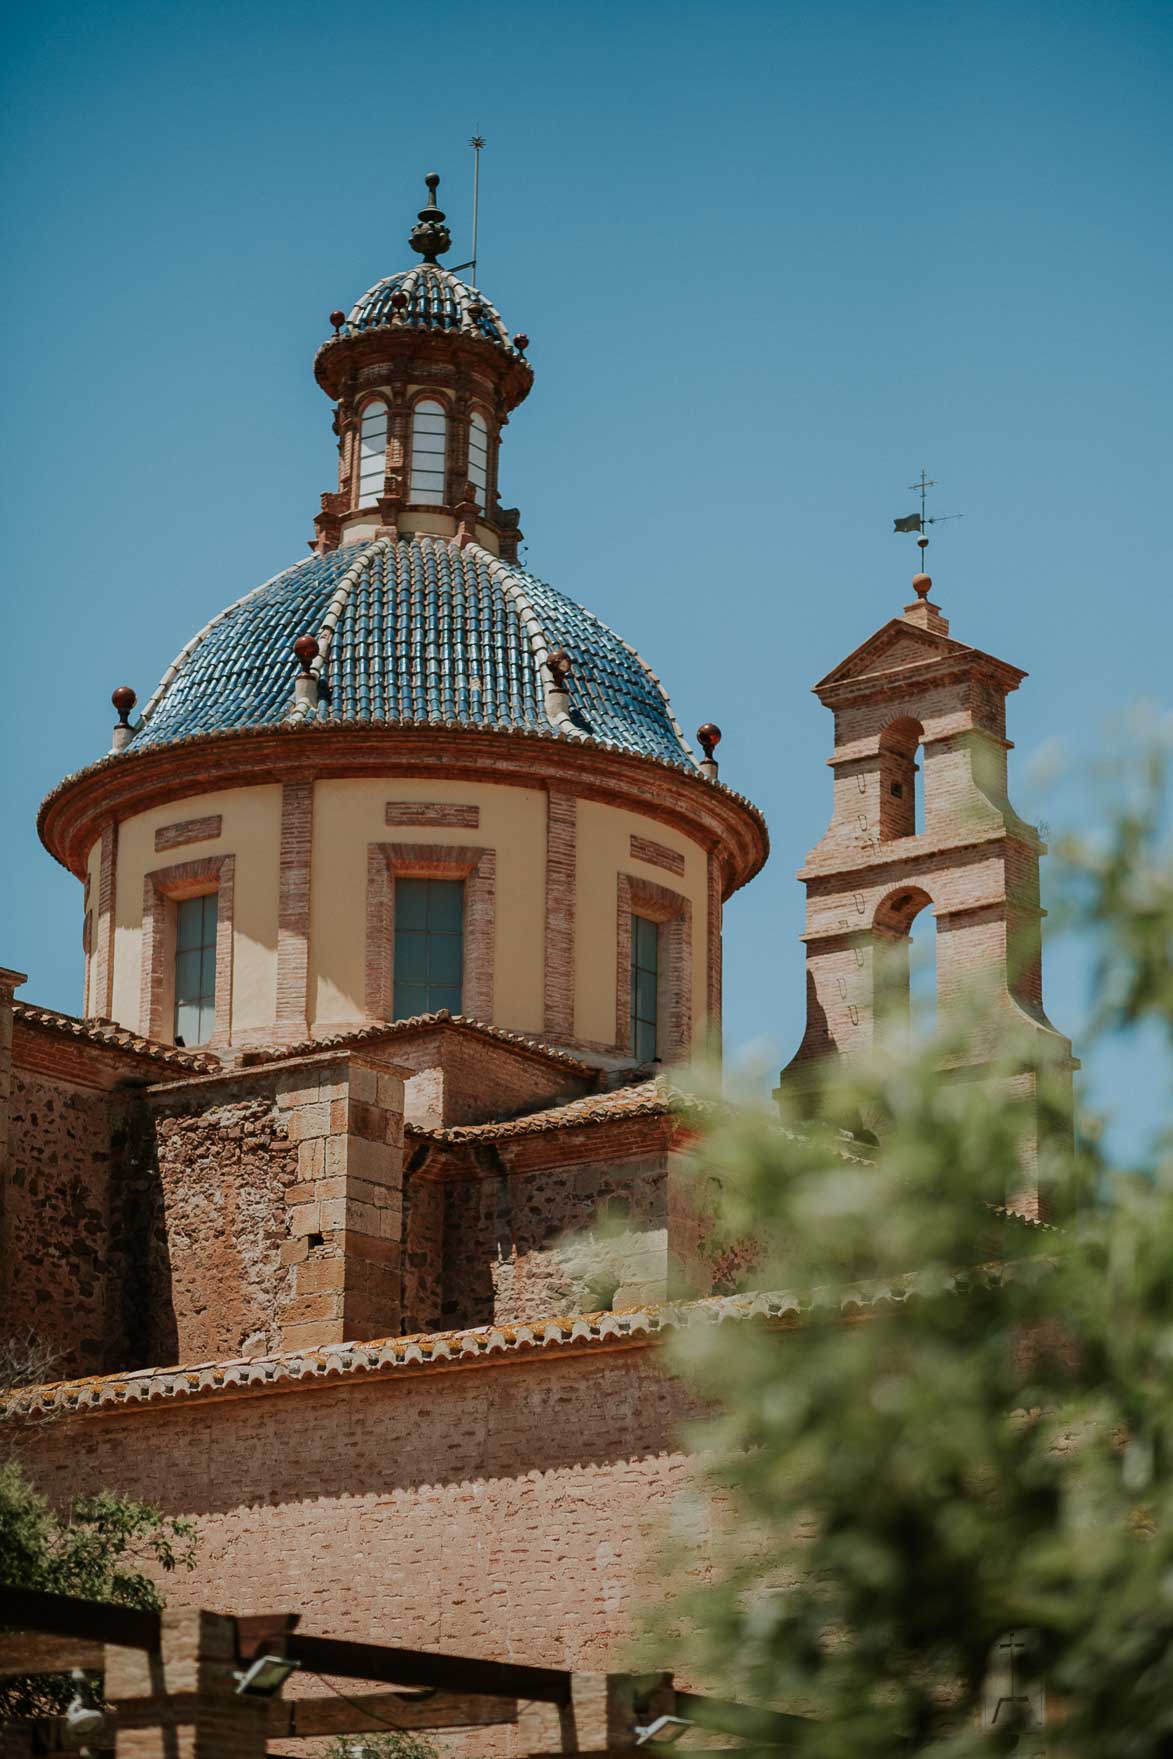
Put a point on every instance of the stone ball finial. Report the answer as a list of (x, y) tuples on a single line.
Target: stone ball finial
[(430, 237), (560, 665), (337, 318), (921, 585), (124, 700), (709, 737), (306, 650)]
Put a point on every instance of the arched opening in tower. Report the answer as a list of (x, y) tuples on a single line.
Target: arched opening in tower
[(901, 794), (906, 965)]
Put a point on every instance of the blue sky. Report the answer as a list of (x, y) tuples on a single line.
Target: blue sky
[(772, 259)]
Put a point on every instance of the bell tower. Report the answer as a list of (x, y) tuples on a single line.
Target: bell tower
[(922, 829)]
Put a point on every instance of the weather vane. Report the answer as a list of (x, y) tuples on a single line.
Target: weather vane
[(918, 521)]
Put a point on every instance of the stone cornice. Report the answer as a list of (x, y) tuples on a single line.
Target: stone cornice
[(130, 782)]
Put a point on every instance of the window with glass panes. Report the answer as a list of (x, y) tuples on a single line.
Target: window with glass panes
[(372, 457), (195, 968), (429, 946), (429, 430), (478, 455), (645, 982)]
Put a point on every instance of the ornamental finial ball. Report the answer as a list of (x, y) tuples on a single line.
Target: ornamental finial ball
[(921, 585), (433, 182), (337, 318), (521, 342), (560, 664), (709, 737), (306, 649), (124, 700)]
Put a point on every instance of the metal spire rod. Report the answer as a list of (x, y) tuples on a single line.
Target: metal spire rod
[(476, 143)]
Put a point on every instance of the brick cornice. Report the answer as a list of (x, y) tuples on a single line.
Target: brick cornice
[(709, 813)]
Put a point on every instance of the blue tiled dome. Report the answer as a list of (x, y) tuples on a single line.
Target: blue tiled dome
[(418, 630), (436, 300)]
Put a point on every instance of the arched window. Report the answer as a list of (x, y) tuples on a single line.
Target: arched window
[(900, 803), (478, 456), (429, 435), (372, 454)]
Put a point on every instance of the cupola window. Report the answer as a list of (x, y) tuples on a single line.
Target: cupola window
[(429, 946), (478, 456), (645, 985), (195, 968), (372, 464), (429, 438)]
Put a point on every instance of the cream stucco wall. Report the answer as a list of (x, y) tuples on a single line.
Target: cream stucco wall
[(251, 831), (350, 815), (604, 852)]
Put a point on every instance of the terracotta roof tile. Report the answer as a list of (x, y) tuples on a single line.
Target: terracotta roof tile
[(419, 1024), (110, 1036), (384, 1357), (648, 1099)]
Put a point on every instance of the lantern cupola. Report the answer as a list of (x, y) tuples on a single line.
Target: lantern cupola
[(424, 375)]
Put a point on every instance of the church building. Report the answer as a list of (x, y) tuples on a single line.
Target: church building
[(355, 1199)]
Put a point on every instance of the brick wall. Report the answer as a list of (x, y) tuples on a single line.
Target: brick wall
[(511, 1510), (454, 1078)]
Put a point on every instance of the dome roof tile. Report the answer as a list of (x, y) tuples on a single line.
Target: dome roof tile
[(414, 630)]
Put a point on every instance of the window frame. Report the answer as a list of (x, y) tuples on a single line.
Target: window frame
[(476, 414), (370, 404), (477, 867), (205, 1001), (163, 889), (636, 896), (429, 402), (429, 934)]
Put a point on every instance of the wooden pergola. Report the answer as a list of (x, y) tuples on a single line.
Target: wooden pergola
[(176, 1685)]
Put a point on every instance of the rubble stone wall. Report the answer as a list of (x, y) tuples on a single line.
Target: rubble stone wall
[(55, 1206)]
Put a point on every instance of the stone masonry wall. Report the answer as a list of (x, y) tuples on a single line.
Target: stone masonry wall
[(498, 1245), (219, 1277), (55, 1220), (278, 1211)]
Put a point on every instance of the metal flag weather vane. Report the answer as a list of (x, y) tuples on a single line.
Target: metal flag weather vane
[(918, 521)]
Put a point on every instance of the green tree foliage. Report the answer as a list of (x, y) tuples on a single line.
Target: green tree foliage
[(395, 1744), (954, 1437), (98, 1552)]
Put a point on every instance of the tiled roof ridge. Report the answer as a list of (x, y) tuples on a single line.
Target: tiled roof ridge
[(512, 581), (335, 610), (656, 1098), (516, 1340), (524, 575), (100, 1031), (442, 1017)]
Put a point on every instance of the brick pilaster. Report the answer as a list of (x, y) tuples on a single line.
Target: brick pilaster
[(561, 880), (182, 1702), (346, 1210), (713, 1000), (101, 992), (293, 908)]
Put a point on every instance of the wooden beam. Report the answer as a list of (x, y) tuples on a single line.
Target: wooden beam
[(765, 1727), (61, 1615), (423, 1667), (46, 1654), (366, 1713)]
